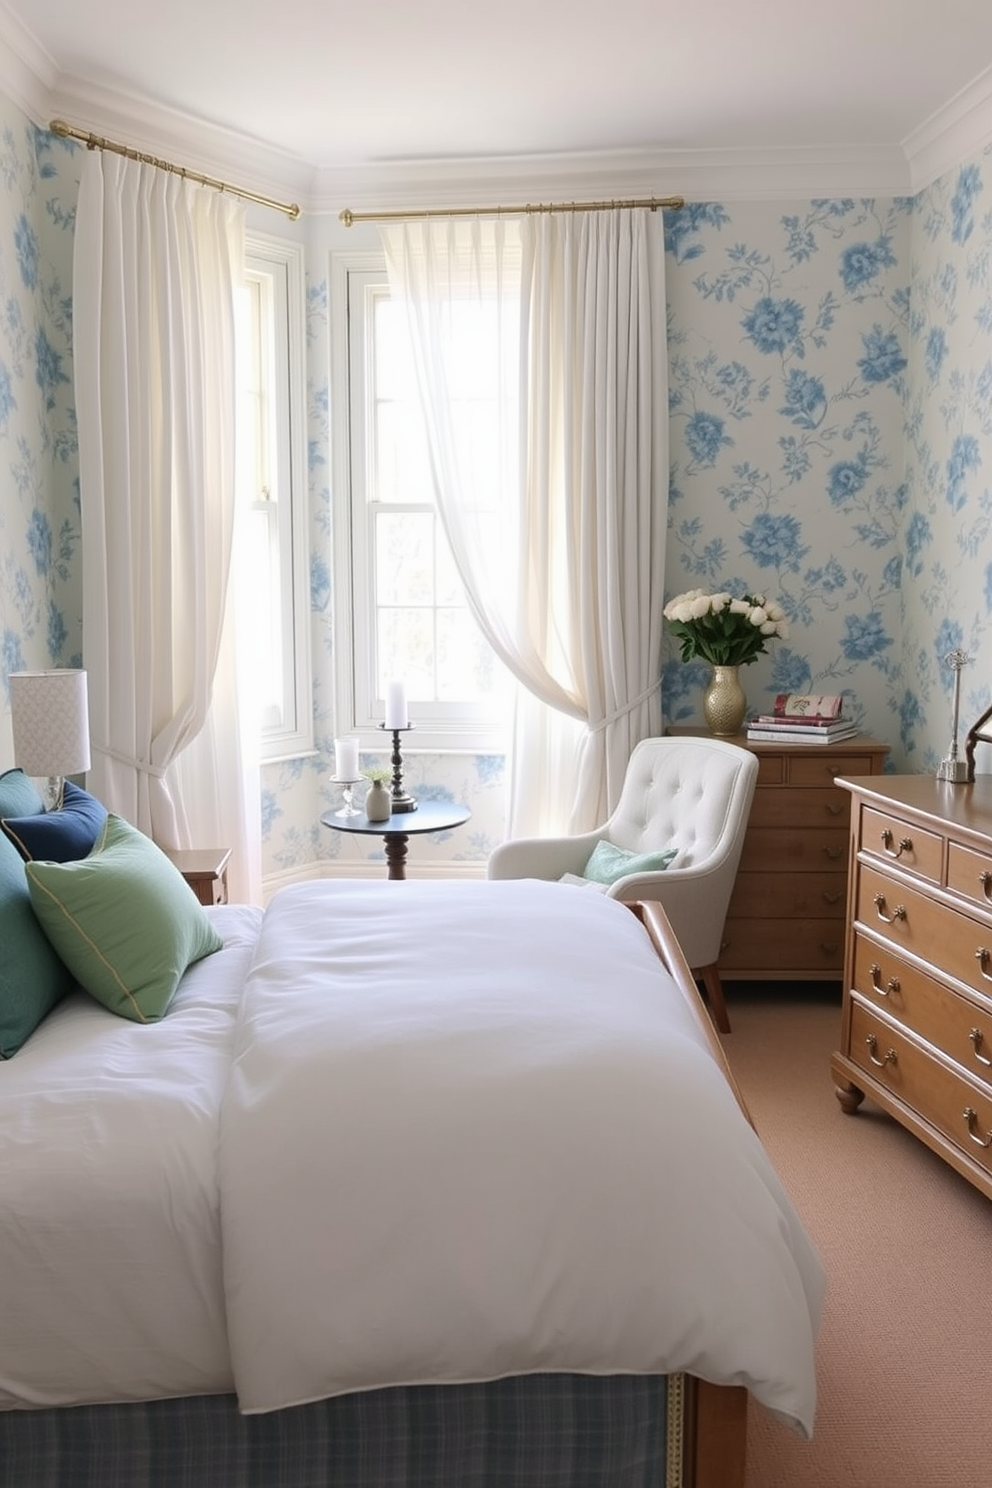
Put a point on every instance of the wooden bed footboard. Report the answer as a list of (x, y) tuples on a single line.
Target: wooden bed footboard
[(715, 1416)]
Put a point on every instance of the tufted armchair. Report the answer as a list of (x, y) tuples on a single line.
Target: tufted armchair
[(692, 794)]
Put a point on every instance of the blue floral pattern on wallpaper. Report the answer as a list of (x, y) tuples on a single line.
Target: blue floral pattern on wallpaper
[(788, 360), (948, 553), (40, 600)]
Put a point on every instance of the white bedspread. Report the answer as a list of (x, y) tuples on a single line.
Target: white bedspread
[(469, 1133), (110, 1260)]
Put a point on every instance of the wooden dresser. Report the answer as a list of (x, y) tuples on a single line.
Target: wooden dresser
[(916, 1033), (786, 919)]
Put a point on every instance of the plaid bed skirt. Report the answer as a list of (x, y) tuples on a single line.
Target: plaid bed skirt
[(537, 1431)]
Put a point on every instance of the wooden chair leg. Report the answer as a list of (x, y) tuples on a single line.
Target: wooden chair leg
[(710, 978)]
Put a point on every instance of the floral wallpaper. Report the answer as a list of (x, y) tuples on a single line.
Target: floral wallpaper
[(947, 552), (788, 369), (831, 441), (40, 596)]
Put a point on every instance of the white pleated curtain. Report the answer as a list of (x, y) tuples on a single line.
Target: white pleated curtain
[(566, 574), (156, 263)]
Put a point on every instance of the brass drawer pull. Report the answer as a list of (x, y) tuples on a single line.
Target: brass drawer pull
[(892, 985), (978, 1038), (982, 956), (985, 879), (899, 913), (890, 1056), (971, 1117), (905, 845)]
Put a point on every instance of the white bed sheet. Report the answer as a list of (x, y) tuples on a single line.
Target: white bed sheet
[(110, 1260), (470, 1134)]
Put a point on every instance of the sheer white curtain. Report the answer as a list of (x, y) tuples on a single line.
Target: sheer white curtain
[(156, 262), (559, 536)]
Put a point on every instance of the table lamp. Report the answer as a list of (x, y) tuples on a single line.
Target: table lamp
[(50, 720)]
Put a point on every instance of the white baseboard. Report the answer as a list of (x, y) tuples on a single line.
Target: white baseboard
[(307, 872)]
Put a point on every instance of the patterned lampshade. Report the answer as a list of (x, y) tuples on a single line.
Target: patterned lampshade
[(50, 718)]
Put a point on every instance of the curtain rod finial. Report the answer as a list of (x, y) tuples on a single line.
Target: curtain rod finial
[(347, 217)]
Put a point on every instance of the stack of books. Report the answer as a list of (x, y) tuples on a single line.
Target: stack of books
[(803, 718)]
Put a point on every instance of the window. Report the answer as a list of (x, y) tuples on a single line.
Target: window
[(272, 491), (402, 611)]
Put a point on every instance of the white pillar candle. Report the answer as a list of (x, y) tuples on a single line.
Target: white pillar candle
[(396, 714), (346, 759)]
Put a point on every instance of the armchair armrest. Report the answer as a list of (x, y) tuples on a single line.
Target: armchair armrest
[(541, 857)]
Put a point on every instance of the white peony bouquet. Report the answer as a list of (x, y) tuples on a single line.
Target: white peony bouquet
[(723, 629)]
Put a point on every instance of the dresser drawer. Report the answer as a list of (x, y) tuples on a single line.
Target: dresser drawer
[(796, 849), (811, 947), (802, 808), (949, 1102), (913, 922), (811, 895), (913, 848), (950, 1022), (970, 874), (819, 768)]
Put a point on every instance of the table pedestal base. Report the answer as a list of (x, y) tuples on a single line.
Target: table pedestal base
[(396, 844)]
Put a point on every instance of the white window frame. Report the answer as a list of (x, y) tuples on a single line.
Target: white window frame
[(440, 728), (280, 263)]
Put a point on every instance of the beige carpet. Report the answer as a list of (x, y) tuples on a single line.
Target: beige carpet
[(904, 1358)]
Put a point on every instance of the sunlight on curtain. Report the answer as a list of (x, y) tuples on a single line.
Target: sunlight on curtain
[(156, 259), (559, 534)]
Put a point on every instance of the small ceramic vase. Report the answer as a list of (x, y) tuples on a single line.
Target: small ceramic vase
[(378, 802)]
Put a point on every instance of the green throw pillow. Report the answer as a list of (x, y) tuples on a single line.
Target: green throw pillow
[(123, 920), (607, 863)]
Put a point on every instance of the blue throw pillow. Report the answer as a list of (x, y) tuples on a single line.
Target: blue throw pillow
[(61, 836)]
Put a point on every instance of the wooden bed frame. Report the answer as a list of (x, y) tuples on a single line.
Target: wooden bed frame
[(715, 1416)]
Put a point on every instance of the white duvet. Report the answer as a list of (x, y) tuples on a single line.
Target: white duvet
[(470, 1132), (110, 1259)]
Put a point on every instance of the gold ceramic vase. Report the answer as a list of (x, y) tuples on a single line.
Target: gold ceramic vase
[(724, 702)]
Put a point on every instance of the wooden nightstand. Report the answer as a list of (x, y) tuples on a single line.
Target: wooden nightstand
[(205, 870), (786, 920)]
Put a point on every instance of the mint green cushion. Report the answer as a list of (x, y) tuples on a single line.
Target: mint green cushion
[(123, 920), (607, 863)]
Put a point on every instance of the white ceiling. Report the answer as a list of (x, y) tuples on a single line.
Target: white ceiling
[(324, 95)]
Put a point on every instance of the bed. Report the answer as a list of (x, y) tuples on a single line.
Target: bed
[(437, 1184)]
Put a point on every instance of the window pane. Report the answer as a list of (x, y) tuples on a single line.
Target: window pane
[(402, 465), (466, 666), (404, 558)]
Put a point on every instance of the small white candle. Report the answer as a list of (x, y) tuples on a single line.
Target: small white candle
[(396, 714), (346, 759)]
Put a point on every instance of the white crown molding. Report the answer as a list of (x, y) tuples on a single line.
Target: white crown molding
[(27, 72), (31, 79), (960, 129), (698, 175)]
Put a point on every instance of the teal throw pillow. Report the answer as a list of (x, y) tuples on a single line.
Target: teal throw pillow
[(607, 863), (18, 796), (59, 836), (32, 978), (123, 920)]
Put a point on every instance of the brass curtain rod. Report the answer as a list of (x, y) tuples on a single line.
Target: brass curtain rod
[(651, 203), (96, 142)]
